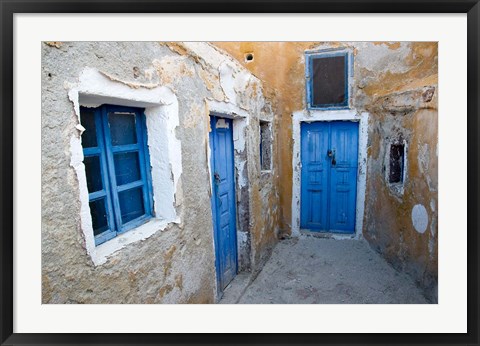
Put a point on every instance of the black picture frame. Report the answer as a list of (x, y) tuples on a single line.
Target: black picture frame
[(10, 7)]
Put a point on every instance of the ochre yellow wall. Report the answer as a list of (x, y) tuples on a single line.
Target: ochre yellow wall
[(392, 81)]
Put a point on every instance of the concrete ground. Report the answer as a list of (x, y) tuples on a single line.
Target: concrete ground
[(311, 270)]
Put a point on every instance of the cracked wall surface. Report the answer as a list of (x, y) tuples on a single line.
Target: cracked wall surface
[(397, 84), (176, 263)]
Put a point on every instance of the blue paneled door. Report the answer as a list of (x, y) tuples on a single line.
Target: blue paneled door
[(223, 200), (329, 156)]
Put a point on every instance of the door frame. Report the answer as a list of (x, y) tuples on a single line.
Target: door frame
[(216, 232), (335, 115), (240, 119)]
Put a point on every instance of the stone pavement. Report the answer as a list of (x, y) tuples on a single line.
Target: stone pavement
[(311, 270)]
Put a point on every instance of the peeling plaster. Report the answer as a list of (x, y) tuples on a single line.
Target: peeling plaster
[(424, 163), (227, 109), (234, 78), (55, 44), (382, 58), (208, 53), (241, 177), (423, 158), (95, 88), (171, 67), (242, 238), (227, 78), (161, 109)]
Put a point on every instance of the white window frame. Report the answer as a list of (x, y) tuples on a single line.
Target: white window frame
[(161, 111)]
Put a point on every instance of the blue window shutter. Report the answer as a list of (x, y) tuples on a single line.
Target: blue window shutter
[(120, 161)]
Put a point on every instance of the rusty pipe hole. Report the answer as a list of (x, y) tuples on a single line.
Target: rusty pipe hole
[(248, 57)]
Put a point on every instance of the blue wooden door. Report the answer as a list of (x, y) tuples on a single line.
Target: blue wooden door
[(223, 200), (329, 156)]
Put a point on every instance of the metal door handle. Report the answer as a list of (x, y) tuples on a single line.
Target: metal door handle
[(331, 154), (216, 177)]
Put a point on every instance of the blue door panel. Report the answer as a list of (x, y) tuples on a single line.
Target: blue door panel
[(329, 155), (344, 141), (314, 176), (223, 200)]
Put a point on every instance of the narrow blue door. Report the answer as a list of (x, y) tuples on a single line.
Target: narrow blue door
[(329, 156), (223, 200)]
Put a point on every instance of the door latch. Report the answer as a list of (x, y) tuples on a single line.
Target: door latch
[(216, 178), (331, 154)]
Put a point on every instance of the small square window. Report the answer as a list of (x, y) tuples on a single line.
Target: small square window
[(117, 168), (327, 80), (265, 146)]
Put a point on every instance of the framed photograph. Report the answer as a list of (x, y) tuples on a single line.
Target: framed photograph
[(239, 173)]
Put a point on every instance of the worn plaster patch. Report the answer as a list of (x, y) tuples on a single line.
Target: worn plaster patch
[(208, 53), (55, 44), (227, 75), (241, 179), (420, 218), (193, 118), (171, 68), (211, 82), (423, 158), (133, 85), (382, 57)]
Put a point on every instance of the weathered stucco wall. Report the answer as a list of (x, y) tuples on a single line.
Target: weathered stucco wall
[(402, 96), (397, 84), (176, 264)]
